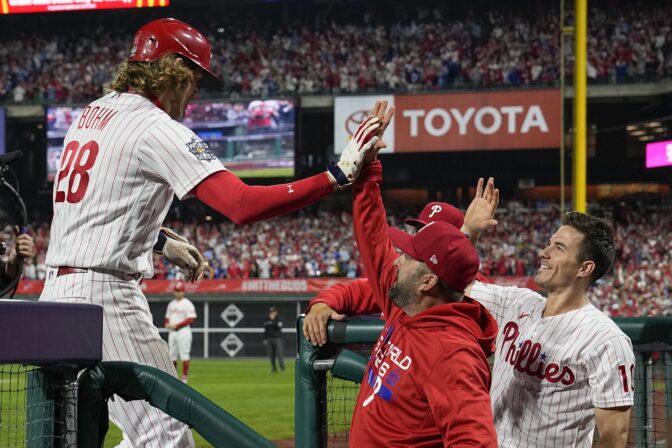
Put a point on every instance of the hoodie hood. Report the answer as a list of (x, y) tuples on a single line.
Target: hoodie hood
[(468, 315)]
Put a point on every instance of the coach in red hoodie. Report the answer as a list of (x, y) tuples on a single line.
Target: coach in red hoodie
[(427, 381)]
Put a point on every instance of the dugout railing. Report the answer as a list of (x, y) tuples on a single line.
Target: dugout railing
[(327, 380), (54, 389)]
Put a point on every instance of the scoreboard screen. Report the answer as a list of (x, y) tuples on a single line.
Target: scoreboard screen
[(26, 6)]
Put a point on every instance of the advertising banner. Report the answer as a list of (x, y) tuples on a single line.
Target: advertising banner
[(473, 121), (256, 285), (350, 111)]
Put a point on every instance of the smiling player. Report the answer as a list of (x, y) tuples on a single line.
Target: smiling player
[(561, 366)]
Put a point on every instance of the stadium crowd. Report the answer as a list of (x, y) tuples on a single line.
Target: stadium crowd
[(409, 48), (320, 243)]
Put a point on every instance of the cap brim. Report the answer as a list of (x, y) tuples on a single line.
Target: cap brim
[(415, 222), (403, 241)]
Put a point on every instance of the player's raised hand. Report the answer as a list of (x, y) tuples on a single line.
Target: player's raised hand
[(315, 323), (479, 215), (346, 170), (385, 115)]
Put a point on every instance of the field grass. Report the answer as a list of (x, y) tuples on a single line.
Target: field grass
[(244, 388)]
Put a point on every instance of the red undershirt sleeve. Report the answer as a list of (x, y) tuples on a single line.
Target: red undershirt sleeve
[(184, 323), (245, 204)]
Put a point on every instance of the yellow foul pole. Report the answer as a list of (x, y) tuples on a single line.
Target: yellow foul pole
[(579, 172)]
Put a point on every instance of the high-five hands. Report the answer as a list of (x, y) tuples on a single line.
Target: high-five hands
[(479, 215), (346, 170), (384, 115), (363, 146)]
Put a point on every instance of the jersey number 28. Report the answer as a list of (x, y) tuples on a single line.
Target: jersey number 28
[(76, 162)]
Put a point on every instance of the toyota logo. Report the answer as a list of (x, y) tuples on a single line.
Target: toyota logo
[(354, 120)]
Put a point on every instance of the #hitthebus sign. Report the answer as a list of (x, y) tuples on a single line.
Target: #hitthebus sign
[(659, 154), (460, 121)]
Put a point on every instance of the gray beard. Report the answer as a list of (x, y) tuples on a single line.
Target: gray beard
[(402, 294)]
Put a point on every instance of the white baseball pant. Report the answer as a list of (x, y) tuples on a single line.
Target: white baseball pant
[(129, 334)]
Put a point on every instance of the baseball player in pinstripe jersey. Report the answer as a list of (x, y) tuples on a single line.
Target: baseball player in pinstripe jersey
[(123, 161), (561, 366), (180, 314)]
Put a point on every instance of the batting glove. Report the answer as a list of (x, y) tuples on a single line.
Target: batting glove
[(346, 170), (178, 251)]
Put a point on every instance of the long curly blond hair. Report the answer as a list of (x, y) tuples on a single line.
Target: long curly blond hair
[(151, 78)]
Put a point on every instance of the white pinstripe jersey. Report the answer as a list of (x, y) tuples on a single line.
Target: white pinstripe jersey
[(550, 373), (122, 161), (180, 310)]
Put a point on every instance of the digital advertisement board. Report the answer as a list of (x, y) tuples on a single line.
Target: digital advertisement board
[(474, 121), (251, 138)]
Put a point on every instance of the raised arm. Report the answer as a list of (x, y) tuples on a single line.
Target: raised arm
[(244, 204), (371, 232), (479, 215)]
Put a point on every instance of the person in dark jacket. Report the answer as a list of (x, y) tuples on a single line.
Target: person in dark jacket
[(273, 339)]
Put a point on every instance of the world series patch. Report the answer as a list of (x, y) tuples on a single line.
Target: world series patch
[(200, 149)]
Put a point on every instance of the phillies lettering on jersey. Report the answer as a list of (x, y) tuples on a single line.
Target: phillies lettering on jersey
[(550, 373), (523, 356), (123, 161)]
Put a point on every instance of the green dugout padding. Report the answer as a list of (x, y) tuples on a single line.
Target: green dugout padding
[(648, 335), (308, 414), (646, 330), (132, 381)]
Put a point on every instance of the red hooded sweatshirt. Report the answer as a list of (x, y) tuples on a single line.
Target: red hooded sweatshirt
[(427, 381)]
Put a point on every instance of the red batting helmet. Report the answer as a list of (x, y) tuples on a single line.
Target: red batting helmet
[(179, 287), (171, 36)]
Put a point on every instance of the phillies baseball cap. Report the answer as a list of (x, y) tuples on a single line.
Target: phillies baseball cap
[(438, 211), (179, 286), (445, 250)]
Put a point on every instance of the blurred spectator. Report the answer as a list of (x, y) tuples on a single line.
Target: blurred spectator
[(405, 48)]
